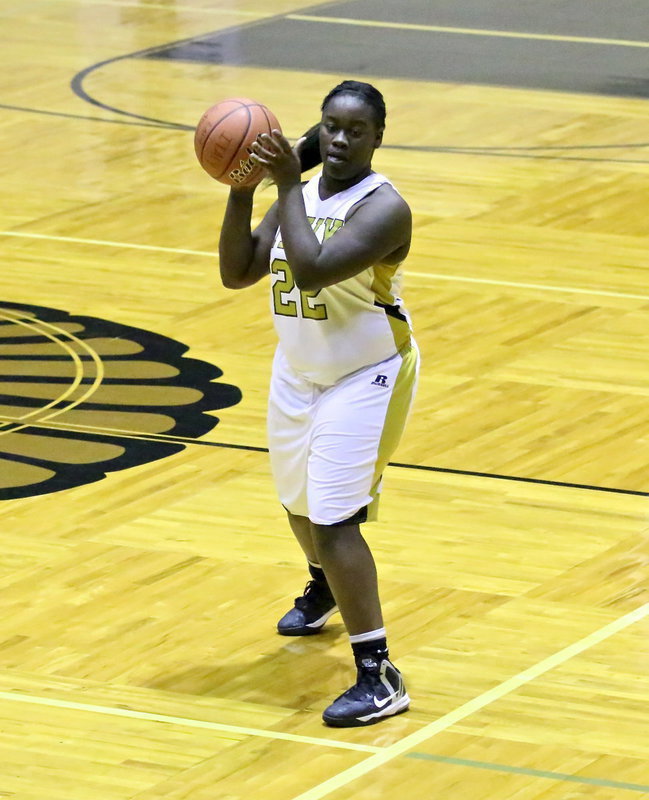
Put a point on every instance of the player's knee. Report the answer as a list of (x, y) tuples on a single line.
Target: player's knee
[(333, 538), (355, 519)]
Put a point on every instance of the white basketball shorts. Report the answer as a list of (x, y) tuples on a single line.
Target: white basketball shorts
[(329, 445)]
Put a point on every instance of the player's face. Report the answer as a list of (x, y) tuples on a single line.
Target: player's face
[(349, 135)]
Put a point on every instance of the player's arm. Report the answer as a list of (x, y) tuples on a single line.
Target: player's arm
[(244, 254), (377, 229)]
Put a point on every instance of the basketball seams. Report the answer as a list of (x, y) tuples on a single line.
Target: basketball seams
[(243, 138), (217, 123), (258, 117), (265, 112), (237, 156)]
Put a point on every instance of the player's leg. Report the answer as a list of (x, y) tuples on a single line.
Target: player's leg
[(290, 414), (357, 427), (379, 690), (301, 527), (351, 573), (290, 410), (316, 604)]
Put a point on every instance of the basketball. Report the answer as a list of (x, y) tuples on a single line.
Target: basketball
[(223, 137)]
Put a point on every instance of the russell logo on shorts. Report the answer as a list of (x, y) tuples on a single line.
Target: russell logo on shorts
[(381, 380)]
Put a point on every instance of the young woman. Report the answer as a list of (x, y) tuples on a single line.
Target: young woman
[(345, 369)]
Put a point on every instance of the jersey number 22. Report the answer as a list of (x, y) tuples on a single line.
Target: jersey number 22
[(283, 285)]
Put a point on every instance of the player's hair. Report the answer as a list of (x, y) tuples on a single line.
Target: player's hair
[(310, 147)]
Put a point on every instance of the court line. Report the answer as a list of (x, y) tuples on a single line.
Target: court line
[(77, 82), (66, 115), (475, 150), (516, 148), (39, 325), (425, 275), (504, 152), (33, 324), (183, 721), (518, 479), (105, 243), (89, 351), (120, 433), (410, 26), (313, 740), (238, 730), (168, 438), (534, 773), (472, 706), (515, 284)]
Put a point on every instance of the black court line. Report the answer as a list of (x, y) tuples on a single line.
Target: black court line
[(542, 482), (77, 81), (170, 439), (77, 87), (496, 152), (265, 47), (64, 115), (503, 152), (477, 149)]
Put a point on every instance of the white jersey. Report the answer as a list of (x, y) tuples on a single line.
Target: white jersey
[(327, 334)]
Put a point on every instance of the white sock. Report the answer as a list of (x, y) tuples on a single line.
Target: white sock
[(379, 633)]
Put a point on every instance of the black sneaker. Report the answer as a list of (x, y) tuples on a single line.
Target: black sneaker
[(310, 612), (379, 692)]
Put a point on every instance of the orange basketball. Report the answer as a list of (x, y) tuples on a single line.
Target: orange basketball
[(223, 137)]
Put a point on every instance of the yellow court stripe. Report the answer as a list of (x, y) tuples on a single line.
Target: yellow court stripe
[(448, 720), (99, 370), (409, 26), (235, 730), (101, 430), (33, 324), (517, 285), (58, 338)]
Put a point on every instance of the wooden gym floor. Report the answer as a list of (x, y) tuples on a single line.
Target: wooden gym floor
[(144, 559)]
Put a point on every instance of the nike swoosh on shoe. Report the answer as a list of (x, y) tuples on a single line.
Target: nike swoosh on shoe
[(381, 703)]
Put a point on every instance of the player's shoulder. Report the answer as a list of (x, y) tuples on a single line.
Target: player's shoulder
[(388, 200), (389, 194)]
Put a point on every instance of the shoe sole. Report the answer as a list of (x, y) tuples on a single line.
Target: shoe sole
[(308, 630), (401, 706)]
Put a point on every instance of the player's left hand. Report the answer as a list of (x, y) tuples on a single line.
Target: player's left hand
[(274, 153)]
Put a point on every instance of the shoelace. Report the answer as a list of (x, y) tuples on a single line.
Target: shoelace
[(302, 602), (366, 681)]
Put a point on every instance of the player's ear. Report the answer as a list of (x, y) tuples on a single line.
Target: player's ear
[(379, 138)]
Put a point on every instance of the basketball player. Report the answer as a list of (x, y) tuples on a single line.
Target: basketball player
[(344, 371)]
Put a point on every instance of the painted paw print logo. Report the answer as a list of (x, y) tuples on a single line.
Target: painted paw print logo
[(80, 397)]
